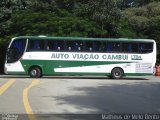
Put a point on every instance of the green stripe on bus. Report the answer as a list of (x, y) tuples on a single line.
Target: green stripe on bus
[(49, 65)]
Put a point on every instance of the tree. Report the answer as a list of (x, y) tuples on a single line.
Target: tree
[(145, 21), (105, 12), (44, 23), (5, 15), (123, 4), (143, 2)]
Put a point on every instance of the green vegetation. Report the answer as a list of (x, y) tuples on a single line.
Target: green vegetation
[(84, 18)]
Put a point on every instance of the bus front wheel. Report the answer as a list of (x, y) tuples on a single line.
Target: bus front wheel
[(117, 73), (35, 72)]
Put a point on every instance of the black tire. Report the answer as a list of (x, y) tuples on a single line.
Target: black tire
[(35, 72), (117, 73)]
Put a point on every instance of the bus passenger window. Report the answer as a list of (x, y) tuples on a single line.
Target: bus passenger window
[(51, 45), (109, 46), (95, 46), (134, 47), (36, 45), (77, 46), (113, 46), (74, 46), (55, 45), (88, 46), (69, 45), (130, 47), (101, 46), (145, 47), (126, 47)]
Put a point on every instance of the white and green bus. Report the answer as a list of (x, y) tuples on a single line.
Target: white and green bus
[(40, 55)]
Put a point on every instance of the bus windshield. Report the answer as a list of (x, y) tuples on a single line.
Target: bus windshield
[(16, 50)]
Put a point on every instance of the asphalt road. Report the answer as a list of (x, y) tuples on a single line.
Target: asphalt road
[(76, 96)]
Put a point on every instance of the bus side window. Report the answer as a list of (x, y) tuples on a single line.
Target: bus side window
[(101, 46), (88, 46), (36, 45), (92, 46), (55, 45), (113, 46), (51, 45), (116, 46), (33, 45), (74, 46), (109, 46), (77, 45), (60, 45), (145, 47), (95, 46), (69, 46), (126, 47), (130, 47), (134, 47)]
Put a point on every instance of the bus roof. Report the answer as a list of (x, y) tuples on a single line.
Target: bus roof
[(79, 38)]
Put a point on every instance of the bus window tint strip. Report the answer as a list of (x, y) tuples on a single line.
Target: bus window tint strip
[(90, 46)]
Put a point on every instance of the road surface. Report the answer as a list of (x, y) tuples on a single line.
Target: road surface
[(71, 97)]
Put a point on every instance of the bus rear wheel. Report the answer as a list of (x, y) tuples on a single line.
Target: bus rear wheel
[(35, 72), (117, 73)]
